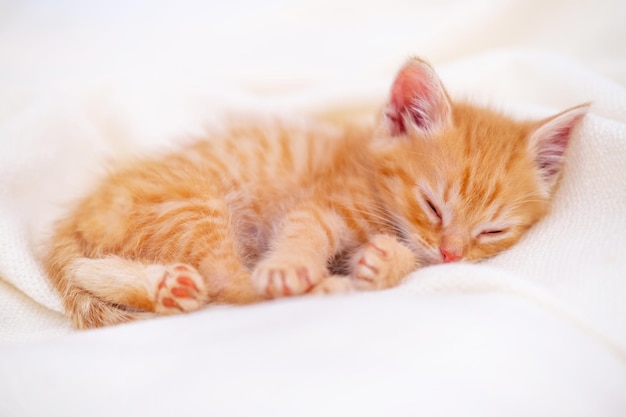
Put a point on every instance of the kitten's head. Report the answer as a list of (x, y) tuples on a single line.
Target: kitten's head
[(462, 182)]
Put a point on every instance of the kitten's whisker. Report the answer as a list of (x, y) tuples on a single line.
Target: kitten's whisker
[(372, 220), (375, 212)]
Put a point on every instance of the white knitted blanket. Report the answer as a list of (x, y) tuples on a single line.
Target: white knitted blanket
[(80, 84)]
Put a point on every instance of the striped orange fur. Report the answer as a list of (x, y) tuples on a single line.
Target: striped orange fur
[(285, 207)]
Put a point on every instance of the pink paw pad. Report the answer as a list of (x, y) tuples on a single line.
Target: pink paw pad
[(180, 289)]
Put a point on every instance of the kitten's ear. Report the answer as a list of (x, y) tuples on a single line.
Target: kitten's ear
[(418, 100), (549, 140)]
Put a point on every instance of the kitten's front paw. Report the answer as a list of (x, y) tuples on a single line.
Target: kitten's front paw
[(382, 263), (179, 288), (285, 277)]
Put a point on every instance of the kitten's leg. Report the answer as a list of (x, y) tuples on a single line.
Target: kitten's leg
[(200, 234), (308, 237), (102, 291), (163, 289), (381, 263)]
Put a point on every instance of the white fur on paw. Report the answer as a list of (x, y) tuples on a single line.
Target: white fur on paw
[(179, 289), (377, 263), (277, 278), (334, 285)]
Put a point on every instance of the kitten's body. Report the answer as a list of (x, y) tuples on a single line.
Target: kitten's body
[(273, 209)]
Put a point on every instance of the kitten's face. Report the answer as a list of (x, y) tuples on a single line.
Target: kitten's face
[(463, 183), (466, 193)]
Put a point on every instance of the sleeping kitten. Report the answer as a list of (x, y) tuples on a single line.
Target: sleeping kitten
[(275, 209)]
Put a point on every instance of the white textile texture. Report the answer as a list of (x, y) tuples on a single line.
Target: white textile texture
[(83, 82)]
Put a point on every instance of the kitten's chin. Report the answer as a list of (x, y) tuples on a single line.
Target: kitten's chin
[(430, 260)]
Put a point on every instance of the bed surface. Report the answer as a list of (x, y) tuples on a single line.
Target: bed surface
[(539, 330)]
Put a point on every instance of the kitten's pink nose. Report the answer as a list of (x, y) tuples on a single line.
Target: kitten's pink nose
[(450, 255)]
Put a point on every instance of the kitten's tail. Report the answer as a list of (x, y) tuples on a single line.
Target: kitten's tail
[(85, 309)]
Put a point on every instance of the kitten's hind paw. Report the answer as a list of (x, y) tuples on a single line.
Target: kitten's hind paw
[(179, 288)]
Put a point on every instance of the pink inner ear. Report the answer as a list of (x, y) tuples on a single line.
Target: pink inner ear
[(550, 155), (550, 141), (407, 87), (417, 97)]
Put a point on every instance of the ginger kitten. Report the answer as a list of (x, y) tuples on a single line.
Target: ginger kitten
[(283, 208)]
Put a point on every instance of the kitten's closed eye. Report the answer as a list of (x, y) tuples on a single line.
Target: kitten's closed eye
[(492, 232), (433, 208)]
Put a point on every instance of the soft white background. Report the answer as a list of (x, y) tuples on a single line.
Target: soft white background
[(539, 330)]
